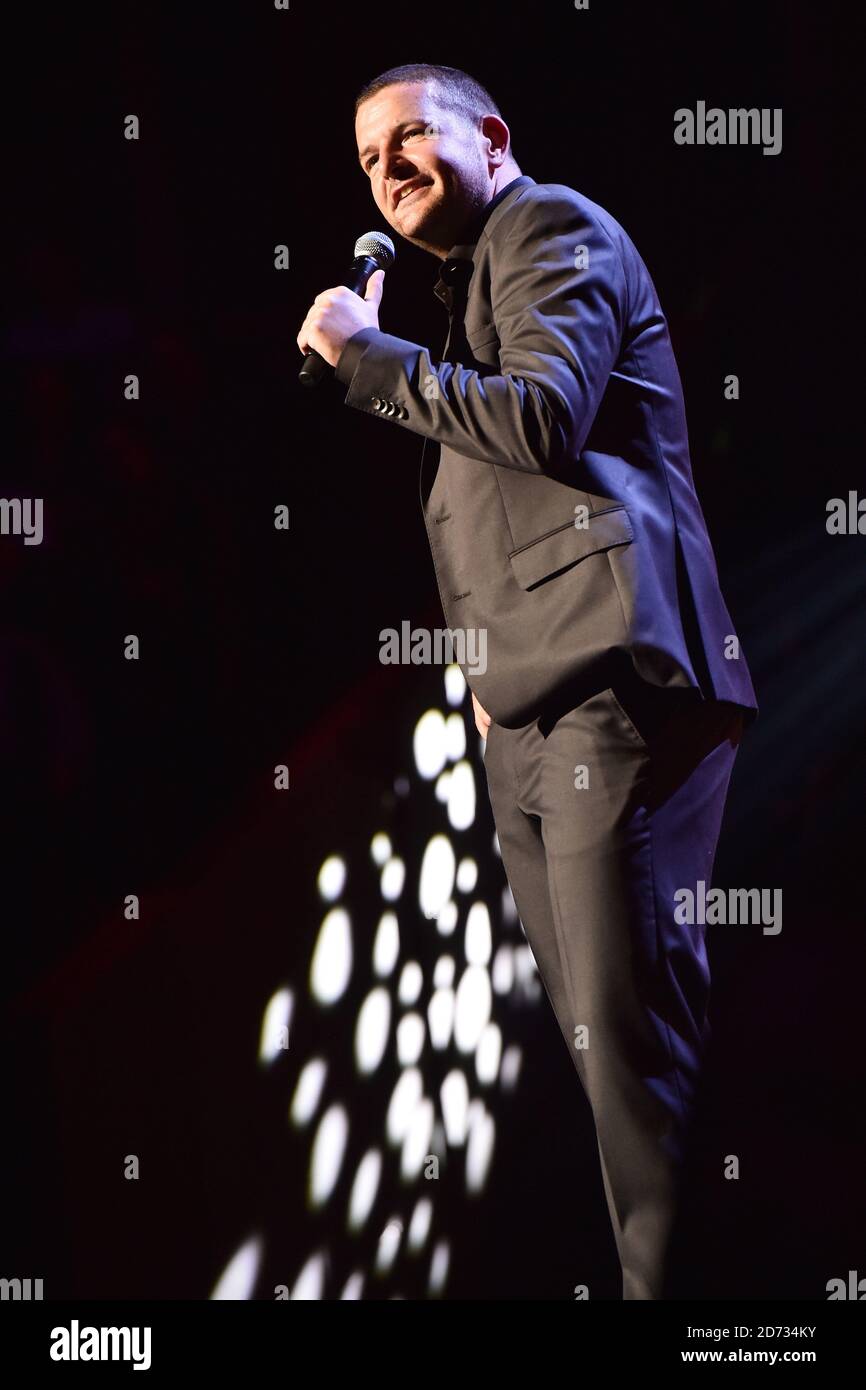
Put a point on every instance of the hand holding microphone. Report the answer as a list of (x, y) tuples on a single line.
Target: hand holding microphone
[(338, 313)]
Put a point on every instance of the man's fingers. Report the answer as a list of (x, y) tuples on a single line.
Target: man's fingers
[(375, 285)]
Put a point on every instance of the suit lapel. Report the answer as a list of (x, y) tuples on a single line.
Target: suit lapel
[(452, 288)]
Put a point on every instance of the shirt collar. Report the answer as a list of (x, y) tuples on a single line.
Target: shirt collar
[(458, 264)]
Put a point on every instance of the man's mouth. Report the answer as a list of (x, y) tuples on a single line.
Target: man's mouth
[(414, 191)]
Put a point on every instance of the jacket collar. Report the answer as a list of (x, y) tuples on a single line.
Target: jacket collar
[(458, 264)]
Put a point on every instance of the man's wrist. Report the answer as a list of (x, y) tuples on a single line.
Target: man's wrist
[(351, 355)]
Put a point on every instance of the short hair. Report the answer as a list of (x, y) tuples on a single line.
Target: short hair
[(455, 90)]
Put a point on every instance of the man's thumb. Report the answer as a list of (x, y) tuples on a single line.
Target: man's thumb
[(375, 284)]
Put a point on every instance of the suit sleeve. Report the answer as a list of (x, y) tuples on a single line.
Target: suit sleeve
[(558, 298)]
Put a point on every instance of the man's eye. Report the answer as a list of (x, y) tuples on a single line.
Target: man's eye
[(420, 130)]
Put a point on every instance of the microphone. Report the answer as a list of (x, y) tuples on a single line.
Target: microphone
[(375, 251)]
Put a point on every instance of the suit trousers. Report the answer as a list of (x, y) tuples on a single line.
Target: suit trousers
[(604, 808)]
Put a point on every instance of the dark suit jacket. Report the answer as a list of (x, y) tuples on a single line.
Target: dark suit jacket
[(562, 515)]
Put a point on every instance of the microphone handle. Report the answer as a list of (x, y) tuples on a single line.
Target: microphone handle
[(315, 367)]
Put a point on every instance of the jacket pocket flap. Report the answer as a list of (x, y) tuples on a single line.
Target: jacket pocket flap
[(482, 335), (560, 549)]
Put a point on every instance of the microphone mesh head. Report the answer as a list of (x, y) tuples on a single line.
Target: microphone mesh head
[(377, 245)]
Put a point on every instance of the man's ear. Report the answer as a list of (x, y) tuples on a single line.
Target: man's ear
[(496, 131)]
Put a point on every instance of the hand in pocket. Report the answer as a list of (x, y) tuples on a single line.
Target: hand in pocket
[(482, 718)]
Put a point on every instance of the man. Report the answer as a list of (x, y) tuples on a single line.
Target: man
[(563, 520)]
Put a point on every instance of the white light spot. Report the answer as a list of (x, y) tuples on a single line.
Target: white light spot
[(440, 1018), (455, 684), (416, 1145), (308, 1092), (310, 1283), (443, 972), (512, 1060), (331, 966), (420, 1223), (472, 1012), (503, 970), (443, 782), (332, 877), (488, 1054), (479, 1150), (364, 1188), (439, 1268), (410, 1039), (274, 1038), (371, 1030), (437, 875), (404, 1098), (446, 921), (429, 744), (467, 875), (389, 1244), (393, 876), (238, 1279), (509, 906), (454, 1100), (455, 735), (380, 848), (386, 947), (478, 941), (353, 1287), (411, 982), (438, 1144), (326, 1158), (461, 796), (526, 973)]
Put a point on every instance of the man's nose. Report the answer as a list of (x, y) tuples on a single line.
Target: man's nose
[(396, 168)]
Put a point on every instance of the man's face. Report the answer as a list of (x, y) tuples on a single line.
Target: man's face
[(406, 141)]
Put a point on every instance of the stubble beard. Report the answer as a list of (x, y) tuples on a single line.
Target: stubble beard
[(432, 232)]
